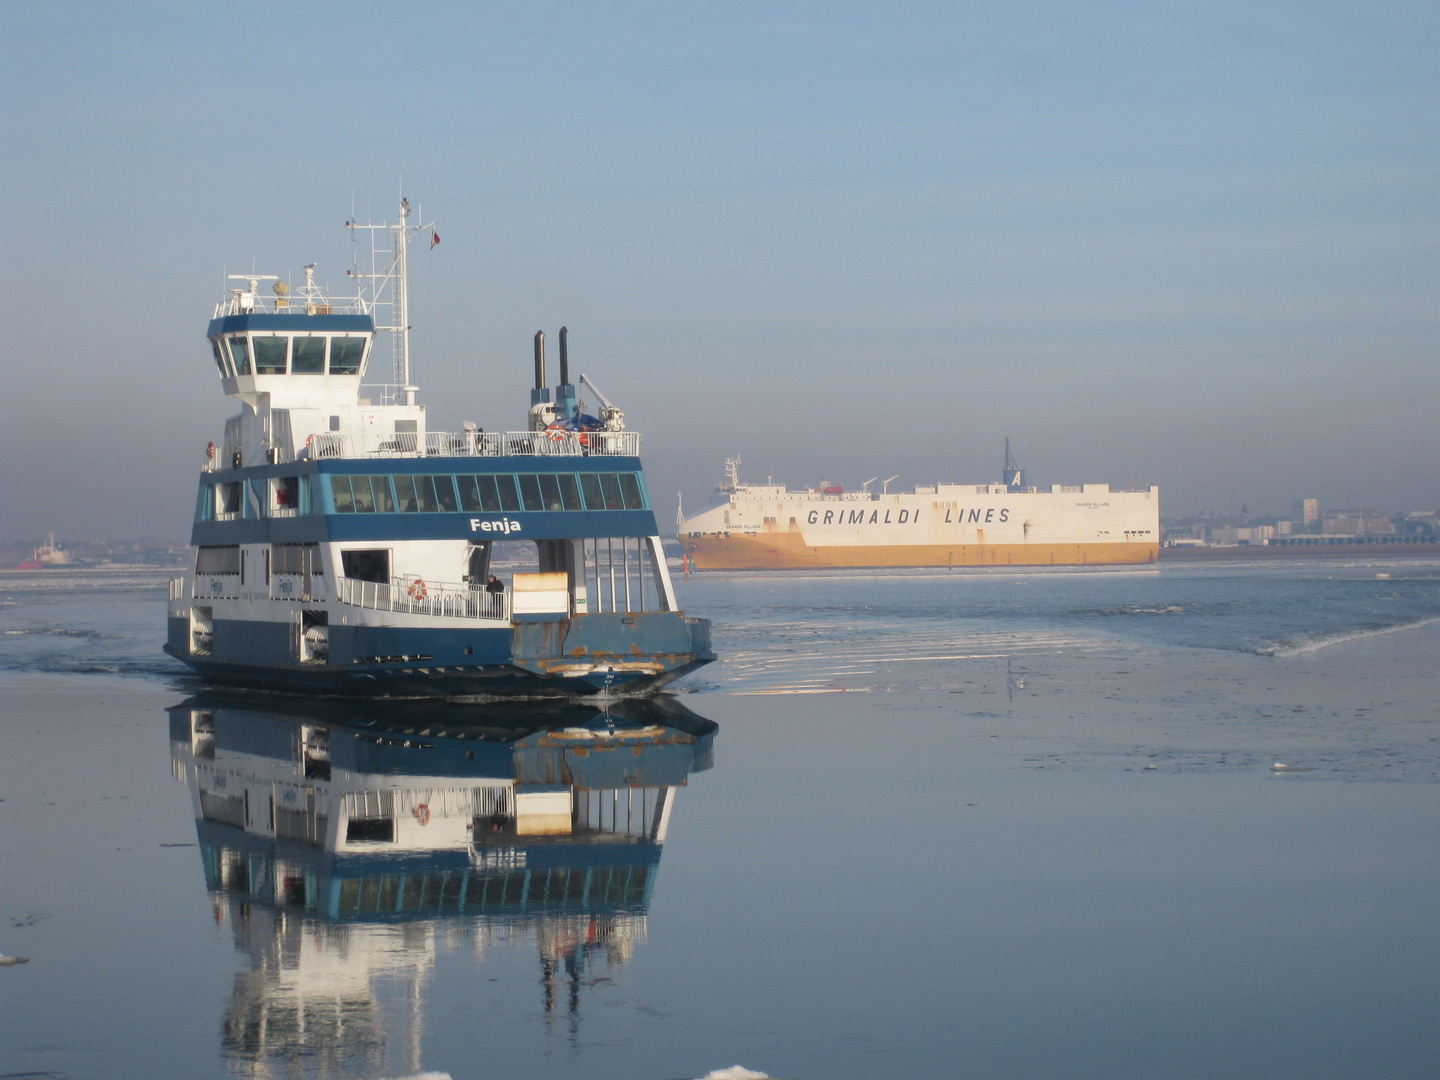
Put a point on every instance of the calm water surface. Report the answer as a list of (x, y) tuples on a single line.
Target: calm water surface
[(912, 824)]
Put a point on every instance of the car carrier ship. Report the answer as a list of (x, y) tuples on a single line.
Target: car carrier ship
[(770, 527), (340, 545)]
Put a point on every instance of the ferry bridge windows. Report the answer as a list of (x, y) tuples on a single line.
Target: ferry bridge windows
[(271, 353), (346, 354), (219, 359), (240, 353), (308, 356)]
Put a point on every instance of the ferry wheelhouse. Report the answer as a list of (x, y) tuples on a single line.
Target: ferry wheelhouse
[(340, 545)]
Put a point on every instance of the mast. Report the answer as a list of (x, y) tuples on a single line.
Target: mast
[(395, 276)]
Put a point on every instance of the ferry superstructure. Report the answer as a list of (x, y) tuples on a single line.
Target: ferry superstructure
[(771, 527), (342, 546)]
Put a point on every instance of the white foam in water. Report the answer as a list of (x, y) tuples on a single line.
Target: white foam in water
[(735, 1072), (1324, 641)]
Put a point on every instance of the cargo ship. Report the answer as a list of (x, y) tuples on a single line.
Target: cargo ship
[(771, 527)]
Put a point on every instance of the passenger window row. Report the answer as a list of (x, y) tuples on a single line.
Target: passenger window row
[(489, 493)]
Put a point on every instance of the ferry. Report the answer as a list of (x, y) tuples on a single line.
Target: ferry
[(341, 545), (771, 527)]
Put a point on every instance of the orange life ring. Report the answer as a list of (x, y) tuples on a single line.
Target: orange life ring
[(556, 433), (422, 813), (210, 452), (417, 589)]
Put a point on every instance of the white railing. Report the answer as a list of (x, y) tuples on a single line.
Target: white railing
[(177, 588), (475, 444), (420, 597)]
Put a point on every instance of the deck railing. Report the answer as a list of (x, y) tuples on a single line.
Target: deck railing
[(420, 597), (453, 444), (475, 444)]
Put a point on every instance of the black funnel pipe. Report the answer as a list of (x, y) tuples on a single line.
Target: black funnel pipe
[(564, 358), (539, 359)]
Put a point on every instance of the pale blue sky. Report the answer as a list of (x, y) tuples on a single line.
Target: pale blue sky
[(1188, 244)]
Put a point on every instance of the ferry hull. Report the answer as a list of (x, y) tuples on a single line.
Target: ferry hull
[(616, 655), (788, 551)]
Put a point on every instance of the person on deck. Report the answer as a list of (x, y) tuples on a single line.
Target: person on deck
[(494, 584)]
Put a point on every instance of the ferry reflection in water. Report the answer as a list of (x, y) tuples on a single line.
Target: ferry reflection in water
[(342, 844)]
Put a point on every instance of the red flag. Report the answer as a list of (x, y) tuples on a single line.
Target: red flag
[(434, 238)]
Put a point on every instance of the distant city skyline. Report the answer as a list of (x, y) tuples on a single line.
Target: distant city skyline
[(1189, 245)]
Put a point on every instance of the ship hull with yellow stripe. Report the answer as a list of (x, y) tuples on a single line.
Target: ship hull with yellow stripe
[(771, 527), (776, 551)]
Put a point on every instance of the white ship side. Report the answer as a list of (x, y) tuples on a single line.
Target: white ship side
[(769, 526)]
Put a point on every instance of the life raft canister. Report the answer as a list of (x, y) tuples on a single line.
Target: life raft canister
[(417, 589)]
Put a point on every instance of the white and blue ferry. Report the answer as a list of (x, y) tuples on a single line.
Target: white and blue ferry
[(342, 546)]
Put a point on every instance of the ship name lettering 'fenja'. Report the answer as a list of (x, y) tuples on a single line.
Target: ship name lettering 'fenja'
[(340, 545), (769, 526)]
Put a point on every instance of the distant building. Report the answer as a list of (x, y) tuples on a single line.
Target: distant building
[(1357, 523), (1253, 534), (1282, 528), (1305, 511)]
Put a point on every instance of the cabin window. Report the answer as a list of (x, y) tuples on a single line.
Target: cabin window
[(240, 353), (367, 565), (445, 494), (218, 560), (286, 493), (340, 489), (360, 492), (271, 352), (309, 356), (425, 494), (469, 493), (219, 359), (489, 494), (380, 489), (345, 355), (550, 492), (509, 497), (294, 559), (530, 492), (590, 484), (569, 492), (610, 485), (405, 494), (227, 500), (630, 489)]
